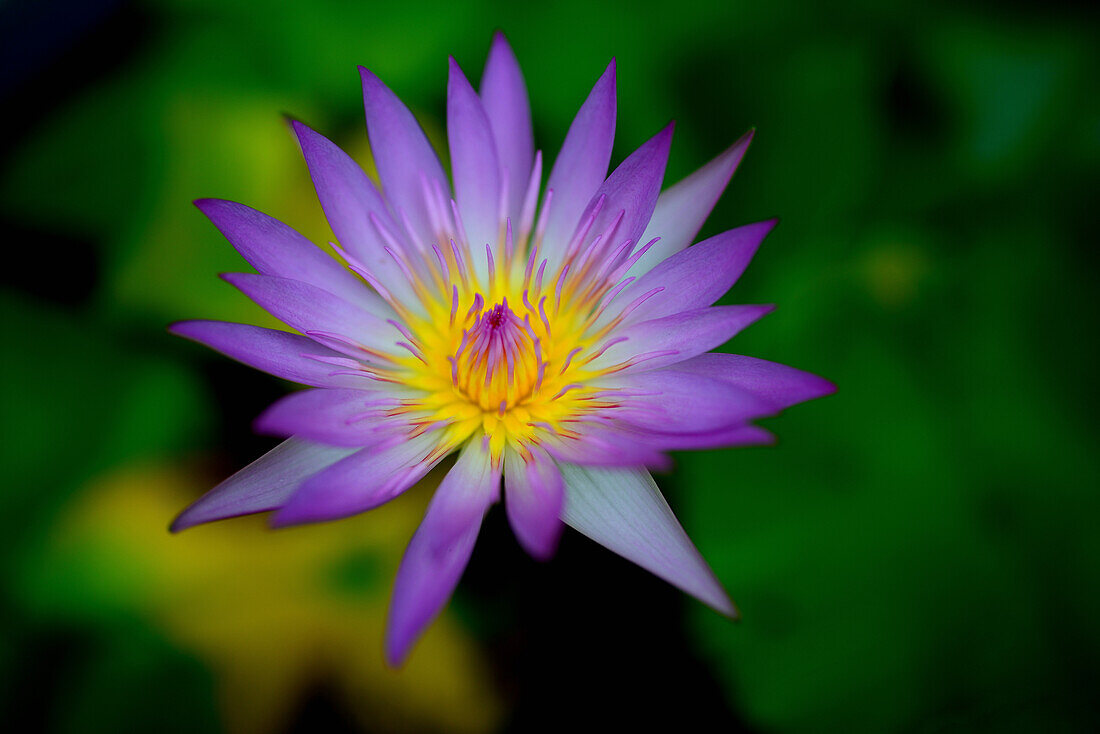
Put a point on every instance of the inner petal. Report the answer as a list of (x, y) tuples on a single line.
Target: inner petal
[(499, 360)]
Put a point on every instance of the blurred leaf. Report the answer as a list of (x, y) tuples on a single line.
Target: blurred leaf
[(271, 614)]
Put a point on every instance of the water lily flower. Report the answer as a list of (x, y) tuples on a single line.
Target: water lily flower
[(558, 341)]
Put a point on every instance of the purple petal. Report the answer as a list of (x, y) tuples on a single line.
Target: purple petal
[(671, 401), (337, 417), (273, 248), (604, 445), (682, 209), (473, 163), (672, 339), (630, 192), (402, 153), (533, 500), (263, 485), (504, 97), (622, 510), (582, 163), (275, 352), (698, 275), (743, 435), (349, 200), (309, 309), (439, 551), (779, 385), (362, 481)]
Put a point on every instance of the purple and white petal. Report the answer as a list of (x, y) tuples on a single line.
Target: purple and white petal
[(743, 435), (582, 164), (533, 496), (683, 208), (674, 401), (622, 510), (263, 485), (273, 248), (355, 211), (439, 551), (778, 384), (474, 165), (608, 443), (504, 97), (625, 200), (319, 314), (670, 339), (698, 275), (289, 356), (360, 482), (337, 417), (407, 164)]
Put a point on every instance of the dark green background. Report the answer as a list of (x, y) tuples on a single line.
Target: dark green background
[(918, 554)]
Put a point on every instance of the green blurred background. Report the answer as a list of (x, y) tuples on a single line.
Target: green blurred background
[(920, 552)]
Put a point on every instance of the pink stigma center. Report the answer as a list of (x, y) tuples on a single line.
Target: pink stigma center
[(499, 361)]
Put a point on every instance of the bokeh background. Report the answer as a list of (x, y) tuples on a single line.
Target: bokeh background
[(920, 553)]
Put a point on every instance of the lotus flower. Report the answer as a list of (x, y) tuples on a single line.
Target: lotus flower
[(557, 340)]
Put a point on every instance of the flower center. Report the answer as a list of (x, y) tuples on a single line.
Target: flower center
[(499, 360)]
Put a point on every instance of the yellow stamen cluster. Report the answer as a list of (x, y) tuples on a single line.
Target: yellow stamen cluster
[(502, 348)]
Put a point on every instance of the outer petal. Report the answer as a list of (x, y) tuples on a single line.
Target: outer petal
[(402, 153), (698, 275), (313, 311), (338, 417), (599, 444), (441, 548), (622, 510), (275, 352), (683, 208), (263, 485), (671, 401), (630, 191), (273, 248), (350, 201), (582, 163), (504, 97), (533, 499), (672, 339), (474, 164), (743, 435), (360, 482), (781, 386)]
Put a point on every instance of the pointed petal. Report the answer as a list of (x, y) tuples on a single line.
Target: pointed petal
[(275, 352), (682, 209), (307, 308), (781, 386), (349, 200), (402, 153), (582, 164), (602, 445), (698, 275), (622, 510), (679, 336), (273, 248), (504, 97), (744, 435), (360, 482), (263, 485), (533, 499), (671, 401), (337, 417), (473, 163), (630, 191), (439, 551)]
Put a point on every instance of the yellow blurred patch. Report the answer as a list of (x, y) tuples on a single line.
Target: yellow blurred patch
[(894, 272), (273, 612)]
